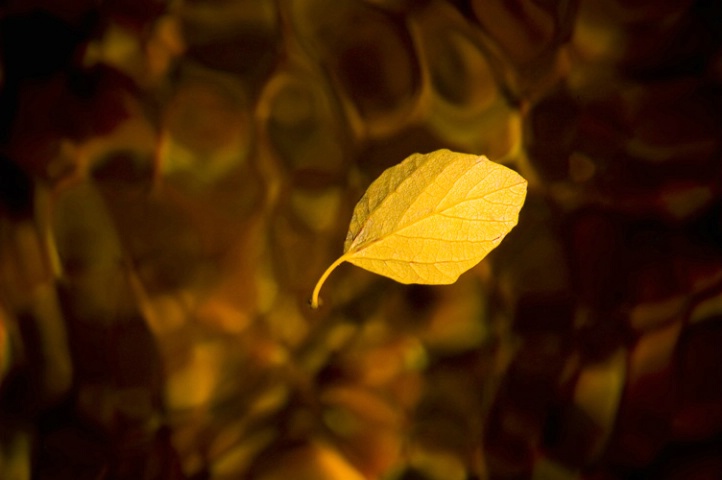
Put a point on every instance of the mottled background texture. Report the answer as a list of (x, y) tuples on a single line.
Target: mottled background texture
[(175, 175)]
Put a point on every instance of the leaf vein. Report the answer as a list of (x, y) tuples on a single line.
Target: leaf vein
[(453, 185), (472, 219), (418, 262), (446, 240)]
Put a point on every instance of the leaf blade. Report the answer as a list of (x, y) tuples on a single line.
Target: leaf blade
[(432, 217)]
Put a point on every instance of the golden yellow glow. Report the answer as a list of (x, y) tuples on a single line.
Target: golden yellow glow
[(431, 218)]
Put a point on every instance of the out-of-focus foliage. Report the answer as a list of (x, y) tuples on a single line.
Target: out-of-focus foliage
[(176, 175)]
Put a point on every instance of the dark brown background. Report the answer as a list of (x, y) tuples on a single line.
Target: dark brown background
[(175, 176)]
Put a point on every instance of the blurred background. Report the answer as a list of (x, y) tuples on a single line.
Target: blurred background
[(175, 175)]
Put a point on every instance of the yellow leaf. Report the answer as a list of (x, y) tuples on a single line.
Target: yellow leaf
[(431, 218)]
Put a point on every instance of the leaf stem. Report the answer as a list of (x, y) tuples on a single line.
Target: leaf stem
[(331, 268)]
